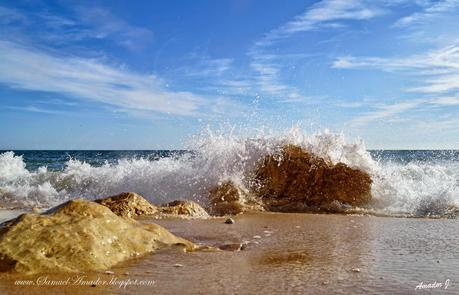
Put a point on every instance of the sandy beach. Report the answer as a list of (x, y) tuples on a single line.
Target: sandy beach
[(284, 253)]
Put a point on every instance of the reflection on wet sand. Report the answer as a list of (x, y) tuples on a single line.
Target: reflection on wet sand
[(290, 253)]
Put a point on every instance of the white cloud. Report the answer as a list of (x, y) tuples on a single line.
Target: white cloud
[(385, 111), (34, 109), (103, 24), (437, 72), (445, 101), (30, 69), (445, 59), (268, 78), (206, 67), (326, 13), (440, 126), (438, 69), (431, 10), (84, 23)]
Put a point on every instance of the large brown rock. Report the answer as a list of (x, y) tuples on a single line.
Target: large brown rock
[(128, 205), (297, 180), (78, 236), (229, 199)]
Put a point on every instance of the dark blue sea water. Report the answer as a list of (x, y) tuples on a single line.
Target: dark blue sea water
[(56, 160)]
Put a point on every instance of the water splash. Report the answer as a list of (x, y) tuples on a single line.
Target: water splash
[(415, 188)]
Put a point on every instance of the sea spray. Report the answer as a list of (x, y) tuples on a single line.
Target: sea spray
[(415, 187)]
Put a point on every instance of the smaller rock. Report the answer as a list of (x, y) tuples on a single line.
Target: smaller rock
[(257, 237), (183, 208), (93, 285), (229, 221), (109, 272), (227, 198), (355, 269), (231, 247), (128, 205), (325, 283), (178, 265), (207, 248)]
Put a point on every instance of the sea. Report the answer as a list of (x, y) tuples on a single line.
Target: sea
[(418, 183)]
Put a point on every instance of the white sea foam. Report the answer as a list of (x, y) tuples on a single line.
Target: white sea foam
[(413, 188)]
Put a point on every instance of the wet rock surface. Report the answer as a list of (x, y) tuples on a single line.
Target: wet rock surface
[(132, 205), (229, 199), (128, 204), (231, 247), (183, 208), (296, 180), (78, 236)]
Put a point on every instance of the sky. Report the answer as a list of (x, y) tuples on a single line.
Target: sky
[(150, 74)]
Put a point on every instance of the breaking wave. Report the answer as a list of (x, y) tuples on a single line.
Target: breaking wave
[(427, 187)]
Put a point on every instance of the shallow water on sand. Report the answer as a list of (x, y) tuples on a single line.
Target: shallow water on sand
[(7, 214), (290, 254)]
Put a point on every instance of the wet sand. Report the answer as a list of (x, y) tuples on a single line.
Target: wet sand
[(7, 214), (286, 253)]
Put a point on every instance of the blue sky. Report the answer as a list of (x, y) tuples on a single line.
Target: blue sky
[(148, 74)]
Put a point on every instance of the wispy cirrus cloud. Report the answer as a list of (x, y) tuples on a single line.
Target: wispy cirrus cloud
[(445, 101), (446, 59), (437, 70), (27, 68), (34, 109), (102, 23), (80, 24), (206, 67), (326, 14), (431, 9), (384, 111), (264, 75), (268, 76)]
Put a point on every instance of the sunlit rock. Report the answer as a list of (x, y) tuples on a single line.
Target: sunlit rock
[(78, 236), (229, 199), (128, 205), (296, 180), (183, 208)]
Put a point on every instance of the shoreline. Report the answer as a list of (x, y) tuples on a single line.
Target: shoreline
[(8, 214), (286, 252)]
